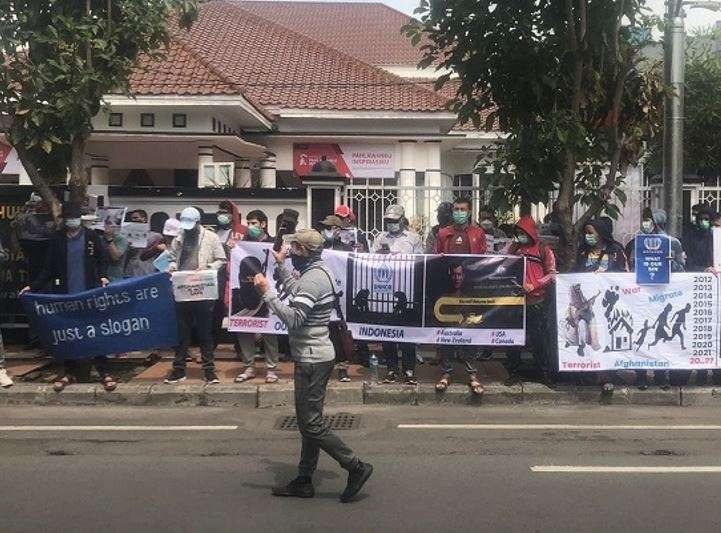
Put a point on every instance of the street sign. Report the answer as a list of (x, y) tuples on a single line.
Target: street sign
[(653, 259)]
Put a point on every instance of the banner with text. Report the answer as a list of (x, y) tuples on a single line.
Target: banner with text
[(609, 322), (431, 299), (128, 315)]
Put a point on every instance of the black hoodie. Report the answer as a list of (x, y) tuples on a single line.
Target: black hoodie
[(612, 259)]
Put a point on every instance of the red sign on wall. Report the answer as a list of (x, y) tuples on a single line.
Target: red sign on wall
[(350, 160)]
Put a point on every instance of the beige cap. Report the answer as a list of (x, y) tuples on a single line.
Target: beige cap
[(309, 239), (394, 212), (332, 220)]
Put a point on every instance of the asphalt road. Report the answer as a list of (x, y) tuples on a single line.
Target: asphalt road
[(488, 477)]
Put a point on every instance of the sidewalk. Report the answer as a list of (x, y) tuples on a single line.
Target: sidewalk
[(143, 385)]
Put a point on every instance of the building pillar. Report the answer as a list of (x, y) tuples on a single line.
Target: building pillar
[(407, 196), (433, 181), (99, 171), (205, 157), (267, 171), (242, 174)]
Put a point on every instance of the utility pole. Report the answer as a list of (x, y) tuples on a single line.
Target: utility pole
[(674, 49), (674, 67)]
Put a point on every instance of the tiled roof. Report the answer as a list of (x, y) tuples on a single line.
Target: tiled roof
[(178, 72), (235, 50), (369, 31)]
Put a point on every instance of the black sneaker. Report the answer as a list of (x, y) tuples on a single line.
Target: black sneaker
[(176, 376), (390, 377), (211, 377), (356, 479), (410, 379), (343, 376), (298, 488)]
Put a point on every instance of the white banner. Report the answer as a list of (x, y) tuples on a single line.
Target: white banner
[(430, 299), (608, 322), (136, 233), (194, 285)]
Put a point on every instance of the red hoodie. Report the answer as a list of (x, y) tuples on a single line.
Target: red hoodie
[(540, 261)]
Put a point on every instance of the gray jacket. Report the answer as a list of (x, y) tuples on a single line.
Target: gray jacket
[(211, 254), (405, 242), (307, 313)]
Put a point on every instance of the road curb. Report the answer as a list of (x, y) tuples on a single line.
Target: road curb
[(356, 393)]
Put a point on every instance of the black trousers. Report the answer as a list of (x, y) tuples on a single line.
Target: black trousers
[(537, 334), (198, 316), (310, 381), (390, 352), (80, 368)]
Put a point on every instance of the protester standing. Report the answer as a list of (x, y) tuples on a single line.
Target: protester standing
[(5, 380), (257, 222), (600, 252), (462, 237), (117, 249), (540, 275), (495, 237), (444, 216), (135, 265), (653, 221), (307, 316), (76, 261), (171, 228), (350, 234), (195, 248), (33, 228), (398, 239), (698, 243)]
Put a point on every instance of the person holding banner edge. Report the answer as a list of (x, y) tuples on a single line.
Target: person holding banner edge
[(195, 248), (398, 239), (307, 316), (257, 222), (76, 261), (462, 237), (540, 275), (600, 252)]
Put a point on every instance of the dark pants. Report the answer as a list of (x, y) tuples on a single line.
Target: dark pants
[(537, 334), (466, 354), (198, 315), (80, 368), (310, 381), (390, 352)]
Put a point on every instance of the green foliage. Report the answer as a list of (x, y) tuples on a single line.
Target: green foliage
[(61, 57), (567, 84)]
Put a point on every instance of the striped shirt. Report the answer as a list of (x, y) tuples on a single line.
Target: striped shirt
[(307, 313)]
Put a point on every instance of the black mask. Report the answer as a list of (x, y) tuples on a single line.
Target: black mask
[(299, 262)]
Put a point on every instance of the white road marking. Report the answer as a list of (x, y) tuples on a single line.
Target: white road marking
[(118, 428), (569, 427), (628, 469)]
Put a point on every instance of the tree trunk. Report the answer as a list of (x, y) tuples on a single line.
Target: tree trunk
[(39, 181), (78, 183)]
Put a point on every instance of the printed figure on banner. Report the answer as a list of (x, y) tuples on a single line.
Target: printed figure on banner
[(136, 233), (109, 217)]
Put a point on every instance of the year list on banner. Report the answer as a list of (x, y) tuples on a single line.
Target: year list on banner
[(128, 315), (608, 322), (430, 299)]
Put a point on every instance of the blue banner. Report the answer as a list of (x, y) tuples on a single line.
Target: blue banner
[(653, 259), (127, 315)]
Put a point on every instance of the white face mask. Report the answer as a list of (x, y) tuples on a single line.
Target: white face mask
[(72, 223), (328, 234), (647, 226)]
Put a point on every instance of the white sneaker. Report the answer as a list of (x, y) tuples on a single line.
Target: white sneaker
[(5, 380)]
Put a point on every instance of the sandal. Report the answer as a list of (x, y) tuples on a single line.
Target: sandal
[(271, 377), (247, 375), (443, 383), (475, 386), (109, 384), (63, 382)]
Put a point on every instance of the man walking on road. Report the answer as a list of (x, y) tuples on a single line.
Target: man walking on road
[(307, 316)]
